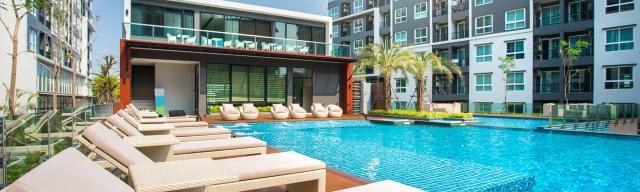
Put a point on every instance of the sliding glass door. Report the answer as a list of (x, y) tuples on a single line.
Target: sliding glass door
[(303, 87), (243, 83)]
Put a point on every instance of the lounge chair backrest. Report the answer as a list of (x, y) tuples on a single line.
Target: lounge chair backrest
[(318, 107), (68, 171), (249, 108), (123, 126), (130, 119), (334, 108), (114, 146), (278, 108), (295, 107), (134, 110), (229, 108)]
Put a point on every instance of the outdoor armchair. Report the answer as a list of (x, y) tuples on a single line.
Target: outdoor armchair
[(279, 112), (248, 111), (296, 111), (319, 111), (334, 111), (229, 112)]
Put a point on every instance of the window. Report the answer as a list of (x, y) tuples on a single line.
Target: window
[(515, 81), (574, 39), (618, 77), (518, 108), (483, 2), (420, 35), (401, 85), (358, 6), (237, 83), (483, 82), (335, 31), (619, 39), (483, 53), (550, 15), (358, 25), (615, 6), (484, 24), (334, 12), (357, 44), (575, 11), (420, 10), (32, 40), (401, 38), (515, 49), (401, 15), (515, 19), (483, 107)]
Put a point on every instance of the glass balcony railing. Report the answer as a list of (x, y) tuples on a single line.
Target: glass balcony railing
[(186, 36)]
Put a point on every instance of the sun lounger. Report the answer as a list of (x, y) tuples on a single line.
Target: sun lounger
[(138, 123), (248, 111), (183, 134), (279, 112), (296, 111), (168, 147), (382, 186), (229, 112), (150, 120), (300, 173), (319, 111), (334, 111)]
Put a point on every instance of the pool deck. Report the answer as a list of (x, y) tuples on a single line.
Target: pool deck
[(336, 180), (266, 118)]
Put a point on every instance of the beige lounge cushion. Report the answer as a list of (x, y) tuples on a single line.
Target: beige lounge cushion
[(319, 108), (135, 111), (107, 141), (179, 120), (260, 166), (191, 124), (68, 171), (249, 108), (152, 120), (186, 132), (130, 119), (230, 109), (123, 125), (383, 186), (296, 108), (217, 145), (278, 108), (334, 108)]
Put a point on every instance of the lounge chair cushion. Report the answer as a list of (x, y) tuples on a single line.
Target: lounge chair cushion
[(297, 109), (123, 126), (334, 108), (199, 131), (136, 112), (191, 124), (228, 108), (319, 108), (278, 108), (254, 167), (130, 119), (107, 141), (68, 171), (382, 186), (179, 120), (249, 108), (217, 145)]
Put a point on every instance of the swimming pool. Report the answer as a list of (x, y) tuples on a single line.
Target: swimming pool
[(455, 159)]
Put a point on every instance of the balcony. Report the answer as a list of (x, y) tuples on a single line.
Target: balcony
[(460, 34), (547, 54), (546, 88), (186, 36), (440, 8), (459, 5), (437, 37)]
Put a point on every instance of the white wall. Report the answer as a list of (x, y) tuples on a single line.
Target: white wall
[(178, 82), (499, 49), (603, 58)]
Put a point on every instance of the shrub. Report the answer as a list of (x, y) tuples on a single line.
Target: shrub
[(425, 115), (214, 109), (264, 108)]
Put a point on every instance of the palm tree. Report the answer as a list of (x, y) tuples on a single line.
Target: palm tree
[(386, 60), (425, 64)]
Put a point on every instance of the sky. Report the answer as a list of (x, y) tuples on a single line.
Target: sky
[(109, 15)]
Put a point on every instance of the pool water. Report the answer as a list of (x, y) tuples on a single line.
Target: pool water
[(502, 122), (455, 159)]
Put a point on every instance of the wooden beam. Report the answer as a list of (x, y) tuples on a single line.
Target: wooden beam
[(347, 90), (125, 74)]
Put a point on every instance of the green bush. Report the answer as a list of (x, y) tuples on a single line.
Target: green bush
[(214, 109), (425, 115), (264, 108)]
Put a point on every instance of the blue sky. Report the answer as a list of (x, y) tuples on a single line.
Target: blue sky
[(110, 13)]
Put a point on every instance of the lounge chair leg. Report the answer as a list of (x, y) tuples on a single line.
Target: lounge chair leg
[(307, 186)]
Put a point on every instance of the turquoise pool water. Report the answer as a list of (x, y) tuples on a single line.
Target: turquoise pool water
[(469, 158)]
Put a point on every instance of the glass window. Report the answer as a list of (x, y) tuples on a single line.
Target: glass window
[(484, 53), (400, 15), (550, 15), (515, 81), (239, 83), (401, 38), (292, 31), (619, 39), (304, 33), (484, 24), (218, 84), (517, 108), (420, 10), (515, 19), (618, 77), (32, 41), (483, 2), (211, 22), (401, 85), (358, 25), (483, 107), (263, 28), (420, 36), (334, 12), (574, 39), (335, 31), (515, 49), (280, 30), (358, 6), (575, 11), (615, 6), (276, 84), (549, 82), (357, 44), (483, 82), (247, 26)]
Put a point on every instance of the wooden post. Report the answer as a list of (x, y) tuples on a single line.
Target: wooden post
[(347, 90), (125, 74)]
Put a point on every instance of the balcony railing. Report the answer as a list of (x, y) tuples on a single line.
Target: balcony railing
[(437, 37), (460, 34), (186, 36), (548, 54), (448, 90), (459, 5), (547, 88)]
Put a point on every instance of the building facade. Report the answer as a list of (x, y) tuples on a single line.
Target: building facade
[(203, 54), (475, 33), (37, 37)]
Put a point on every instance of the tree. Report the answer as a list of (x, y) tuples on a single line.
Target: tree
[(386, 60), (429, 62), (61, 12), (507, 65), (106, 87), (569, 53), (18, 10)]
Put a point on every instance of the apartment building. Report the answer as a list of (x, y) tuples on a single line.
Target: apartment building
[(475, 33), (37, 37), (206, 53)]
